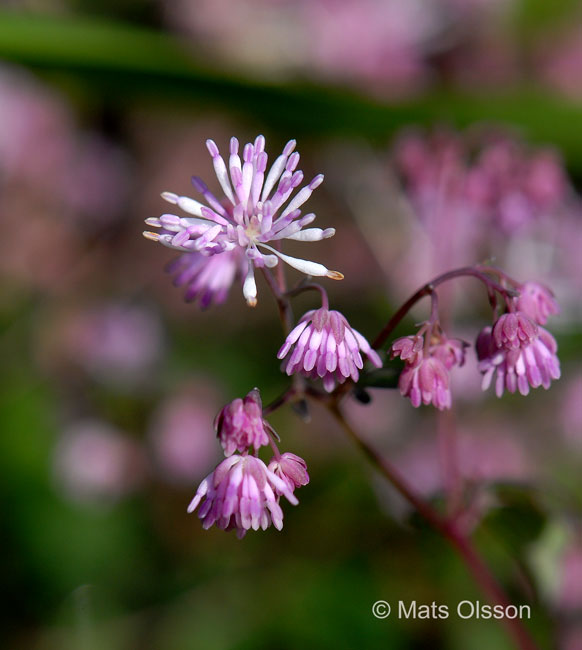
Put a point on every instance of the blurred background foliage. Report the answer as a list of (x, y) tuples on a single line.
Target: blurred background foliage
[(110, 382)]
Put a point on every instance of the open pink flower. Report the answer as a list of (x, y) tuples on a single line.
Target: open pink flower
[(324, 346), (242, 493), (254, 213)]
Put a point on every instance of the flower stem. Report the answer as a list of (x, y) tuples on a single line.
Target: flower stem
[(449, 531), (428, 289), (278, 289), (310, 286), (445, 527), (280, 401)]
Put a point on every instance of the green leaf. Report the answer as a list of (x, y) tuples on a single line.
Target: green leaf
[(124, 62)]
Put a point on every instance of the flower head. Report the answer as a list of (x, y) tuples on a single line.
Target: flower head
[(426, 382), (324, 345), (425, 376), (240, 425), (241, 493), (533, 364), (537, 302), (291, 468), (255, 210)]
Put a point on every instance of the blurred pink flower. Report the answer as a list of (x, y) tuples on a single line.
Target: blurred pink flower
[(181, 433), (34, 119), (537, 302), (115, 342), (571, 637), (386, 46), (513, 187), (560, 62), (83, 174), (95, 462), (570, 585), (207, 279), (96, 180), (499, 181), (380, 42), (481, 458), (570, 411), (501, 198)]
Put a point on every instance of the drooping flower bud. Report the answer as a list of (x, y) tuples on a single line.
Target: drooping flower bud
[(240, 424)]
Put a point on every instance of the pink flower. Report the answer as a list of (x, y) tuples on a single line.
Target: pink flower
[(324, 345), (207, 279), (570, 585), (513, 331), (240, 425), (451, 352), (537, 302), (241, 493), (181, 448), (426, 381), (291, 468), (533, 364), (408, 348), (250, 215), (520, 185), (96, 463), (115, 342), (382, 44), (425, 377), (561, 60)]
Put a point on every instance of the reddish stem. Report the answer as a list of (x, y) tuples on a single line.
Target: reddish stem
[(283, 304), (449, 531), (447, 528), (428, 288), (283, 399), (310, 286)]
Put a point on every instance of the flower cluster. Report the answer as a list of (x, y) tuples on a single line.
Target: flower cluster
[(243, 492), (323, 345), (517, 350), (229, 238), (427, 364), (246, 227), (503, 184)]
